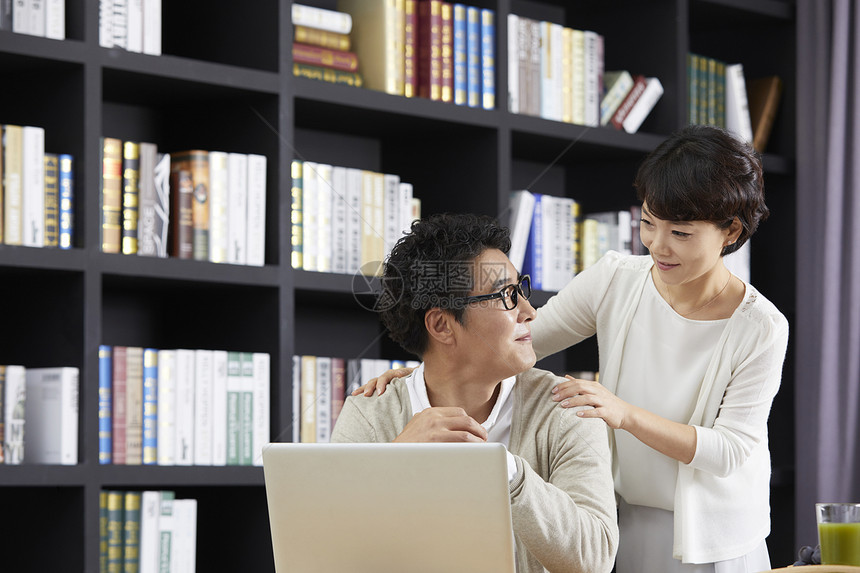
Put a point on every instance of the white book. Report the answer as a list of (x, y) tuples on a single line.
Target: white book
[(391, 212), (36, 15), (593, 71), (324, 217), (577, 76), (203, 407), (296, 403), (14, 410), (218, 206), (338, 220), (152, 27), (166, 407), (551, 62), (256, 210), (310, 200), (219, 408), (150, 511), (643, 106), (237, 212), (55, 19), (323, 400), (119, 23), (557, 242), (183, 557), (51, 416), (312, 17), (625, 232), (105, 23), (353, 220), (261, 427), (135, 26), (407, 194), (184, 442), (522, 211), (378, 222), (737, 104), (21, 17), (33, 186), (234, 398), (513, 64)]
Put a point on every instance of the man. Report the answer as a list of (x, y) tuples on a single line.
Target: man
[(453, 298)]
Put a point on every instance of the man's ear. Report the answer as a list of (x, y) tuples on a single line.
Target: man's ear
[(438, 323)]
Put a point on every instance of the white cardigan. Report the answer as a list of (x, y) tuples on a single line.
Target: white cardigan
[(722, 507)]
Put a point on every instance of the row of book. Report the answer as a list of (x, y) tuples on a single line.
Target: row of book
[(133, 25), (147, 532), (36, 191), (320, 386), (346, 220), (196, 204), (38, 415), (182, 407), (45, 18), (718, 94), (432, 49)]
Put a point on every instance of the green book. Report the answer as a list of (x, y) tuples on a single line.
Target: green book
[(246, 411), (131, 533), (234, 391), (114, 529)]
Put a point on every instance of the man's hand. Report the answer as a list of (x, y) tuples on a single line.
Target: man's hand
[(443, 424)]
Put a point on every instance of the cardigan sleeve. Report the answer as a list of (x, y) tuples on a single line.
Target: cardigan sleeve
[(741, 423), (568, 522)]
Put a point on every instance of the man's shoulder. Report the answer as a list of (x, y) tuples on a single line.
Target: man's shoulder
[(395, 397)]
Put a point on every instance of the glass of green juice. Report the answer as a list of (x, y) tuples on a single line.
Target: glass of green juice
[(839, 533)]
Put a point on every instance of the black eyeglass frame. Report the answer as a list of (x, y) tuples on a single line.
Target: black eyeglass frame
[(523, 288)]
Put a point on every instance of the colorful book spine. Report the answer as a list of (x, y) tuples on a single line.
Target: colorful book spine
[(322, 38), (325, 57), (105, 408), (446, 46), (118, 401), (321, 18), (134, 405), (296, 214), (111, 195), (12, 190), (150, 406), (329, 75), (473, 56), (131, 532), (488, 59), (181, 191), (130, 196), (430, 49), (459, 55), (67, 201), (115, 526), (52, 200), (410, 48)]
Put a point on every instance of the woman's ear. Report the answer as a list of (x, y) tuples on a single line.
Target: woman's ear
[(438, 325), (735, 229)]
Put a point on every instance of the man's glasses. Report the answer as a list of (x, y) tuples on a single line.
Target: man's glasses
[(510, 294)]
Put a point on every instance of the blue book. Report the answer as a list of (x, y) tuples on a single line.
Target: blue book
[(150, 406), (67, 201), (105, 375), (488, 59), (533, 261), (459, 52), (473, 56)]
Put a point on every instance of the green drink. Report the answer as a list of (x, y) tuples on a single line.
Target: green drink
[(839, 533)]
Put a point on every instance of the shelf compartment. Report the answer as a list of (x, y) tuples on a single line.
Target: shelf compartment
[(47, 258), (171, 477), (198, 271)]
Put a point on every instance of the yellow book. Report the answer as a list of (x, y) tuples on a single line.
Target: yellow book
[(378, 28)]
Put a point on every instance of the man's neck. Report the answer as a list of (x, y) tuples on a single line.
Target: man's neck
[(460, 387)]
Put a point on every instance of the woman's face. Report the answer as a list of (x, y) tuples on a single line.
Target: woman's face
[(683, 251)]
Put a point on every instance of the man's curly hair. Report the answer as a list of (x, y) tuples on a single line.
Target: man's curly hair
[(432, 266)]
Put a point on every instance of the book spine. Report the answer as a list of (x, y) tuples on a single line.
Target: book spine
[(67, 201), (353, 220), (322, 19), (513, 64), (134, 405), (338, 220), (166, 407), (617, 87), (105, 381), (639, 85), (119, 418), (256, 210), (643, 105), (219, 408), (111, 195), (166, 532), (14, 200), (329, 75), (103, 531), (324, 215), (296, 214), (261, 395), (430, 49), (119, 23), (323, 400), (308, 399), (36, 14), (150, 509), (218, 206), (577, 81), (51, 414), (150, 406), (296, 399), (115, 528), (338, 388), (410, 48), (33, 185), (237, 229), (52, 200), (246, 411), (593, 65), (325, 57), (106, 23), (392, 228), (184, 434), (70, 408), (130, 196), (131, 532), (152, 27), (446, 46), (181, 190), (234, 391), (161, 180), (460, 55), (2, 412), (134, 42), (203, 407), (692, 88), (322, 38), (199, 166), (737, 104), (488, 59), (6, 18), (473, 56), (146, 232), (712, 91)]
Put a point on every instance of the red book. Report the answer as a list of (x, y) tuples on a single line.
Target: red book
[(326, 57), (430, 49), (447, 51), (639, 85), (118, 396)]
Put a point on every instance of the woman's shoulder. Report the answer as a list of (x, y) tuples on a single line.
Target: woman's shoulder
[(757, 309)]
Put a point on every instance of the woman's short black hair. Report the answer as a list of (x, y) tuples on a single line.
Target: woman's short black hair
[(433, 266), (704, 173)]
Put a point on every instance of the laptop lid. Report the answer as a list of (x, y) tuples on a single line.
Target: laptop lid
[(378, 508)]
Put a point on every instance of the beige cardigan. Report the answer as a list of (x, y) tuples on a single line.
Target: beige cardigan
[(562, 498)]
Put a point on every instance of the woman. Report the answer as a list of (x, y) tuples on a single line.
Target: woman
[(690, 361)]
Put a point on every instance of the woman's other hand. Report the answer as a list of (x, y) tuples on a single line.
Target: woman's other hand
[(380, 382)]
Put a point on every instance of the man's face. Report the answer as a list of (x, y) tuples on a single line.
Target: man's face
[(495, 339)]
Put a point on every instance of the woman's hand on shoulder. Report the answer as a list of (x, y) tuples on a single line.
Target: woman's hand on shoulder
[(379, 383), (574, 392)]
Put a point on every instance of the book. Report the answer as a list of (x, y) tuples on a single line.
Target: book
[(522, 210), (131, 532), (533, 259), (135, 26), (513, 64), (51, 416), (184, 408), (67, 201), (106, 23), (353, 220), (246, 410), (338, 388), (323, 400), (323, 237), (33, 186), (643, 105), (296, 188), (639, 85), (103, 531), (410, 48), (2, 412), (166, 531), (152, 27), (551, 70), (488, 59), (461, 78), (115, 530), (618, 84), (12, 191), (119, 24), (330, 75), (150, 510), (737, 106), (237, 226), (154, 201), (119, 415), (36, 17), (295, 400), (320, 18), (166, 407), (593, 77), (218, 206), (578, 62), (338, 220), (325, 57), (219, 408), (150, 406), (446, 52), (14, 407), (52, 200), (134, 405), (203, 407), (322, 38), (473, 56), (184, 548), (429, 64), (261, 394), (234, 397), (111, 195), (308, 399), (181, 226), (256, 241), (378, 41), (764, 96), (105, 407), (196, 163), (130, 195)]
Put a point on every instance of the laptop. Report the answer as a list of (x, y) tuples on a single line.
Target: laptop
[(389, 508)]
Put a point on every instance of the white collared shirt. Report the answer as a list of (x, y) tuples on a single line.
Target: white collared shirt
[(497, 424)]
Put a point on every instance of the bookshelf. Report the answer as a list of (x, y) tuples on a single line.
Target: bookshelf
[(226, 82)]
